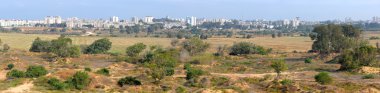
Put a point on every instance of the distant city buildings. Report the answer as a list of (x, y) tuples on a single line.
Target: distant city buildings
[(192, 21), (148, 19), (114, 19), (135, 20), (53, 20)]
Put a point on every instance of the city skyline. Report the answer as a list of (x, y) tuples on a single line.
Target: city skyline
[(232, 9)]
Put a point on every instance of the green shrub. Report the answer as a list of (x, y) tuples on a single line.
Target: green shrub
[(286, 82), (279, 66), (169, 71), (135, 50), (99, 46), (87, 69), (56, 84), (15, 74), (10, 66), (354, 59), (35, 71), (369, 76), (80, 80), (128, 81), (308, 60), (248, 48), (195, 46), (103, 71), (192, 73), (323, 78), (180, 90)]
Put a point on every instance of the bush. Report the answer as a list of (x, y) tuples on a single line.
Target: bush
[(308, 60), (169, 71), (103, 71), (80, 80), (99, 46), (6, 48), (56, 84), (39, 45), (180, 90), (353, 59), (369, 76), (286, 82), (192, 73), (135, 50), (10, 66), (15, 74), (323, 78), (248, 48), (195, 46), (35, 71), (128, 81), (87, 69)]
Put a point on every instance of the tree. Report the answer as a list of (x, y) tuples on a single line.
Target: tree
[(80, 80), (279, 66), (160, 63), (323, 78), (35, 71), (135, 50), (334, 38), (195, 46), (99, 46)]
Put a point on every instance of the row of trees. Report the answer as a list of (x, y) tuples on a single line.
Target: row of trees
[(344, 39)]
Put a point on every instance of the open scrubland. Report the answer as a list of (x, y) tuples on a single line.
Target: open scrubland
[(249, 73)]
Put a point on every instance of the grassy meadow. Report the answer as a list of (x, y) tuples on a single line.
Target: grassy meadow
[(286, 44)]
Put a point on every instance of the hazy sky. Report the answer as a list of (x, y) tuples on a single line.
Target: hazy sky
[(239, 9)]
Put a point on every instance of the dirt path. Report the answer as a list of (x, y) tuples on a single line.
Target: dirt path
[(3, 74), (24, 88)]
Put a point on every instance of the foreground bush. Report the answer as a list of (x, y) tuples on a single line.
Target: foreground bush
[(99, 46), (103, 71), (80, 80), (323, 78), (15, 74), (248, 48), (35, 71), (128, 81), (56, 84), (354, 59)]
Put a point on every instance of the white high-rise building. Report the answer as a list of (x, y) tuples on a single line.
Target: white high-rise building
[(296, 22), (114, 19), (53, 20), (191, 20), (135, 20), (148, 19), (376, 19), (286, 22)]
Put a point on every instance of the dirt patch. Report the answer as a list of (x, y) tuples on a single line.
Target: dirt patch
[(24, 88)]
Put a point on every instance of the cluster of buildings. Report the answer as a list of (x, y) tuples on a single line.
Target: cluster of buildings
[(168, 22)]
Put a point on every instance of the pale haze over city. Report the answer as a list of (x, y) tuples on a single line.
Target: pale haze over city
[(236, 9)]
